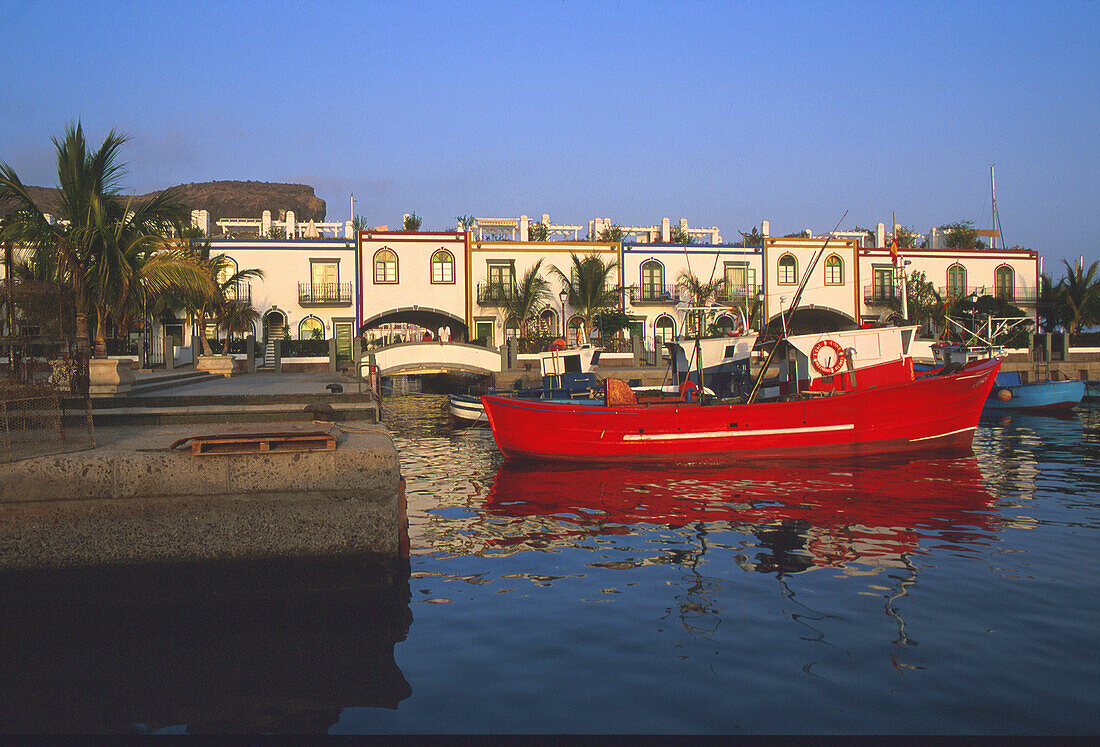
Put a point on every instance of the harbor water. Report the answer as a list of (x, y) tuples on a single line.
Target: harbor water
[(942, 594)]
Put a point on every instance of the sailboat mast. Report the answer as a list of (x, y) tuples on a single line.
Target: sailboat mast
[(996, 218)]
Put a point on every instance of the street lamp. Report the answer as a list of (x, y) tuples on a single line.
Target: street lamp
[(564, 296)]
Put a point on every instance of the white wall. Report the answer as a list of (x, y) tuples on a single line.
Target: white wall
[(285, 264), (842, 297)]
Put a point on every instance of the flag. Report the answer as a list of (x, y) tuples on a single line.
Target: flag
[(894, 251)]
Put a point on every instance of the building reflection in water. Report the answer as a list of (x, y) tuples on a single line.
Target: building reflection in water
[(267, 646)]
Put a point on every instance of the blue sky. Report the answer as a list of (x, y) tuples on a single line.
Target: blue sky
[(723, 113)]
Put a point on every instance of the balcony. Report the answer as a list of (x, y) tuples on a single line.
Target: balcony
[(239, 292), (324, 294), (881, 295), (1013, 295), (493, 294), (738, 293), (667, 294)]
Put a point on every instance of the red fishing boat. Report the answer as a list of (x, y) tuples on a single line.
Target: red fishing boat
[(886, 410)]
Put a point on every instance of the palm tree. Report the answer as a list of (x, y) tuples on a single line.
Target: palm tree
[(226, 279), (527, 298), (1051, 306), (588, 283), (237, 316), (106, 252), (700, 294), (1081, 293)]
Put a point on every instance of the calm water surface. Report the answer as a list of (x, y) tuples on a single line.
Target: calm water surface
[(945, 595), (950, 594)]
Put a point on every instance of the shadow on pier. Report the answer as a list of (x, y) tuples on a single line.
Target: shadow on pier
[(275, 646)]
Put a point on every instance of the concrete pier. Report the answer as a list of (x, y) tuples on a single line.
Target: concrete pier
[(132, 499)]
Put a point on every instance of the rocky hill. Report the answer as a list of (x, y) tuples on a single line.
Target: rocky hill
[(227, 200)]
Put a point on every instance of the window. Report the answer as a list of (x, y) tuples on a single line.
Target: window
[(740, 280), (311, 328), (385, 266), (882, 288), (653, 280), (1005, 282), (724, 324), (664, 330), (834, 270), (501, 280), (324, 280), (511, 328), (226, 269), (956, 281), (443, 267), (484, 331), (788, 270)]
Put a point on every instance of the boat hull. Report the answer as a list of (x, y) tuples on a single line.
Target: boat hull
[(928, 413), (1038, 396)]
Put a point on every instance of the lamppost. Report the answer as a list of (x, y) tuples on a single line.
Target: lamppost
[(564, 296)]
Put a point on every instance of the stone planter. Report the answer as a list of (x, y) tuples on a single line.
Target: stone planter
[(218, 365), (108, 377)]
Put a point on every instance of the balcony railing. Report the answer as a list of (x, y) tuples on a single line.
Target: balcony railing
[(880, 294), (735, 293), (239, 292), (324, 294), (1012, 295), (654, 294), (493, 294)]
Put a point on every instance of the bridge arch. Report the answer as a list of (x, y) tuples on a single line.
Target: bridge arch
[(423, 316), (811, 318)]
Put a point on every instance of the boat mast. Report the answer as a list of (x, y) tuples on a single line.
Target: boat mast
[(996, 217), (794, 305)]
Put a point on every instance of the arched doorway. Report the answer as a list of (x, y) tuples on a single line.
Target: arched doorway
[(274, 322)]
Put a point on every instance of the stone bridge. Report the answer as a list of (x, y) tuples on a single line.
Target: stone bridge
[(436, 357)]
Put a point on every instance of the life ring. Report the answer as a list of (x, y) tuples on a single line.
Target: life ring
[(819, 364), (558, 344)]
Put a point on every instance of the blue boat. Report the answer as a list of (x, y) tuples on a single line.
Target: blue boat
[(1010, 393)]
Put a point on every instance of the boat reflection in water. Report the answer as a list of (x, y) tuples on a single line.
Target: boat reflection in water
[(875, 512)]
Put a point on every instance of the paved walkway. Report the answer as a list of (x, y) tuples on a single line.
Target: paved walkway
[(244, 384)]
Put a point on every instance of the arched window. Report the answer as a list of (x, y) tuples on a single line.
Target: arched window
[(1005, 283), (227, 268), (834, 270), (664, 330), (311, 328), (385, 266), (443, 267), (788, 270), (956, 281), (724, 324), (511, 328), (653, 280)]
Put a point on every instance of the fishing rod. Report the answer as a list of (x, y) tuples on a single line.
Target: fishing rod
[(794, 305)]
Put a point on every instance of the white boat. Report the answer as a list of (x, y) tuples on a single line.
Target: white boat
[(566, 375)]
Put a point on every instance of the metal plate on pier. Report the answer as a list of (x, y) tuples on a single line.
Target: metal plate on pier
[(272, 442)]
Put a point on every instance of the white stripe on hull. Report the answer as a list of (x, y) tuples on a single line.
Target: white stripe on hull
[(727, 434), (943, 435)]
